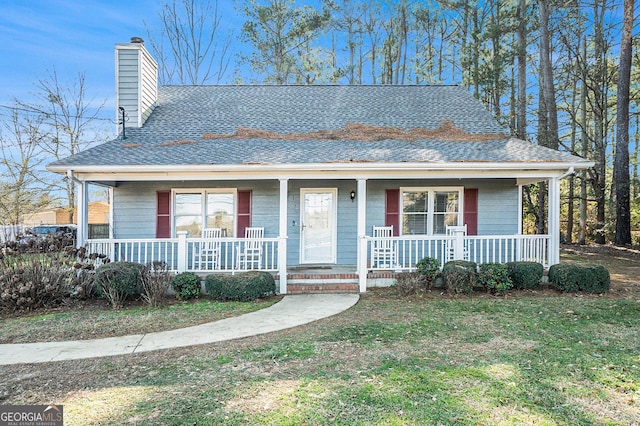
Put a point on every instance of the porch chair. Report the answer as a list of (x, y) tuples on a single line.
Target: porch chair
[(383, 251), (210, 248), (250, 250), (457, 244)]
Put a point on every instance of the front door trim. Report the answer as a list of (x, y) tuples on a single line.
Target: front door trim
[(329, 258)]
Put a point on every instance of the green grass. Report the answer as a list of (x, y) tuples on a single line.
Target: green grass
[(539, 360), (94, 322)]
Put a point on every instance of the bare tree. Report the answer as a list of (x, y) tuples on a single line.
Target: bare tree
[(191, 47), (21, 189), (621, 163), (70, 118)]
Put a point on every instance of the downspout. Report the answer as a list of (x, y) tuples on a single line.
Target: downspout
[(567, 173), (554, 216)]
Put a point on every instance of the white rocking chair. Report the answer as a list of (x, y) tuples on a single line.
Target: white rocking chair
[(210, 248), (383, 251), (250, 250), (457, 245)]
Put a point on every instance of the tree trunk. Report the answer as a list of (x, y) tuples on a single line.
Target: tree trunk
[(621, 163), (521, 121)]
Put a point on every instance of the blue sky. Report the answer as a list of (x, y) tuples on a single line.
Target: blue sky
[(71, 36)]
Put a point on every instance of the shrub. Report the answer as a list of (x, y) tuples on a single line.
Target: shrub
[(494, 277), (428, 269), (117, 281), (601, 282), (85, 266), (187, 285), (84, 283), (408, 283), (571, 278), (243, 287), (525, 274), (459, 276), (31, 281), (156, 279)]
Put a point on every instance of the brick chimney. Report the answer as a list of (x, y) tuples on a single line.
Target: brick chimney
[(136, 83)]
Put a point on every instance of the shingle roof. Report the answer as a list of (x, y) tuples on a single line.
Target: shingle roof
[(185, 113)]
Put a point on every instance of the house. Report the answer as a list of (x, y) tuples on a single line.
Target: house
[(97, 219), (98, 213), (315, 169)]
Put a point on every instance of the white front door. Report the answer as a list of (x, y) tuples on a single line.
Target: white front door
[(318, 233)]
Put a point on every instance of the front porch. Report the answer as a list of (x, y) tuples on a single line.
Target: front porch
[(187, 254)]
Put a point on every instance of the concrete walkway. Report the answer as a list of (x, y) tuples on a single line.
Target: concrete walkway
[(291, 311)]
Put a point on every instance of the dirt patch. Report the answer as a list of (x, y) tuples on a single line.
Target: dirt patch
[(367, 133)]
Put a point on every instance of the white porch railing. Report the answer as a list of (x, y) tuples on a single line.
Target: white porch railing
[(408, 250), (187, 254)]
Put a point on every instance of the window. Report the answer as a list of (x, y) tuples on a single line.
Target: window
[(428, 211), (195, 210)]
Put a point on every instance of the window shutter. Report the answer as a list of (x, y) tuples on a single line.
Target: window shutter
[(392, 210), (244, 212), (163, 214), (471, 210)]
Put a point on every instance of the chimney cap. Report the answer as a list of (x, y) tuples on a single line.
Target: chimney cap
[(137, 40)]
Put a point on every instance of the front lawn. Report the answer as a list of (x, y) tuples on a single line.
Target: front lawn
[(95, 319), (532, 357), (529, 360)]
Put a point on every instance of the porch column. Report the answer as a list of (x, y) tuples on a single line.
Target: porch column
[(520, 240), (361, 195), (82, 213), (554, 221), (282, 236)]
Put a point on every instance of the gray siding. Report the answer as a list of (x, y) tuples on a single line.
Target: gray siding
[(136, 83), (135, 208), (127, 84), (497, 207)]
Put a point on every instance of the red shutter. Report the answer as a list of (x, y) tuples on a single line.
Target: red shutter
[(471, 210), (163, 214), (392, 210), (244, 212)]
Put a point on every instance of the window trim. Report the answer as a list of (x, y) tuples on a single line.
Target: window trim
[(203, 197), (431, 190)]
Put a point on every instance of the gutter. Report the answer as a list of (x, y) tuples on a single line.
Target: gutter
[(519, 166)]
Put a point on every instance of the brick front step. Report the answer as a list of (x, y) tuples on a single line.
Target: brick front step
[(308, 288)]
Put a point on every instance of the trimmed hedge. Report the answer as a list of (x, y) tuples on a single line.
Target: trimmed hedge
[(525, 274), (459, 276), (187, 285), (118, 281), (572, 278), (409, 283), (428, 269), (494, 277), (242, 287)]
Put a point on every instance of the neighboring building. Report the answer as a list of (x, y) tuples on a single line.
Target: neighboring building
[(97, 220), (315, 169), (98, 214)]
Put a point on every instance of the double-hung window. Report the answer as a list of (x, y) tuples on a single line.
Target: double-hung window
[(198, 209), (428, 211)]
